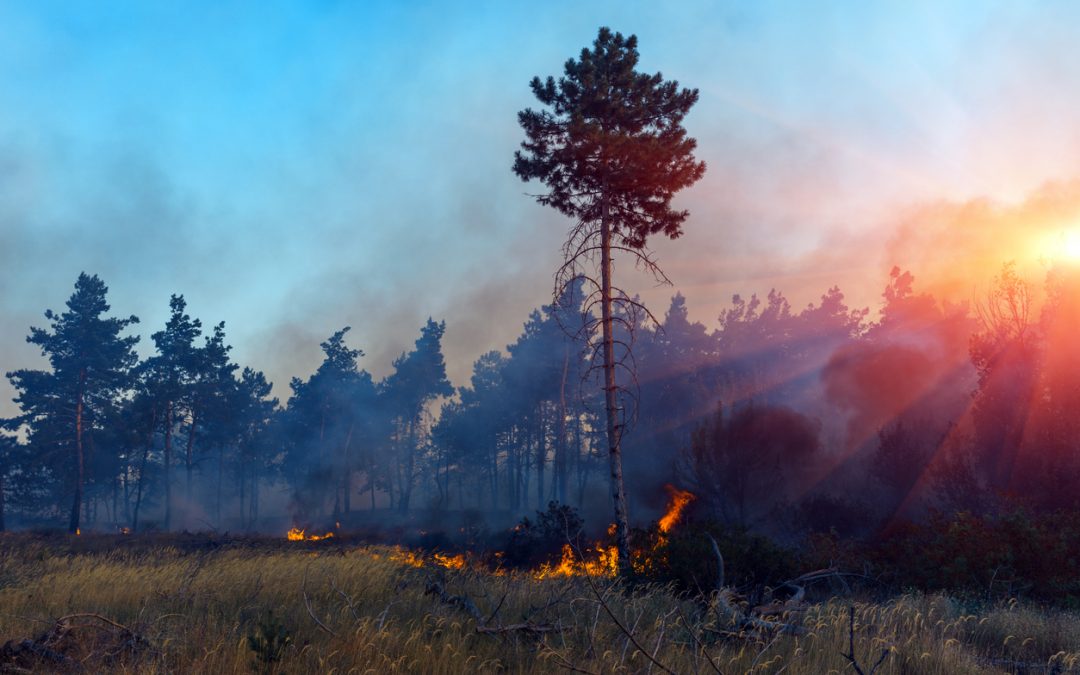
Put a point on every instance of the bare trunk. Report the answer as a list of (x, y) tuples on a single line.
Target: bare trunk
[(220, 475), (142, 471), (541, 456), (190, 448), (76, 505), (254, 512), (614, 428), (346, 479), (168, 463), (410, 468), (560, 432), (241, 484), (3, 470), (493, 471)]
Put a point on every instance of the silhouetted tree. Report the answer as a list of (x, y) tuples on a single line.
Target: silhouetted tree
[(1005, 354), (8, 445), (741, 464), (212, 381), (612, 150), (169, 374), (91, 366), (247, 426), (419, 377), (321, 422)]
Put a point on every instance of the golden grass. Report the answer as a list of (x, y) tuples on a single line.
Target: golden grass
[(199, 609)]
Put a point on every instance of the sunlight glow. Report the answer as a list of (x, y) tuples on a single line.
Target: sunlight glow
[(1070, 244)]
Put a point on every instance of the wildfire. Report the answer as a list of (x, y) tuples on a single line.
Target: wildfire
[(413, 559), (600, 561), (407, 557), (450, 562), (297, 534), (679, 500)]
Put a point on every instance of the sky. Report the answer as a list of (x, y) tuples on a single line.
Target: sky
[(292, 168)]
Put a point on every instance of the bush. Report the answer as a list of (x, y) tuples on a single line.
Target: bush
[(1016, 553), (686, 558), (533, 543), (269, 641)]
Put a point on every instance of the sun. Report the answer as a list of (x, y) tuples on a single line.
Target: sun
[(1070, 244)]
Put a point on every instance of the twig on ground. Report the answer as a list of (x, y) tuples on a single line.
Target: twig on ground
[(850, 655), (310, 611)]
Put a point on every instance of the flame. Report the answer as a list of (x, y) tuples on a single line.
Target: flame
[(297, 534), (679, 500), (413, 559), (406, 557), (599, 561), (450, 562), (125, 530), (78, 532)]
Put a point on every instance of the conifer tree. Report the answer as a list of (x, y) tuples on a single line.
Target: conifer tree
[(91, 365), (169, 374), (611, 148)]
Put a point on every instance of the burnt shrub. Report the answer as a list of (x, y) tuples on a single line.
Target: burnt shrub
[(532, 543)]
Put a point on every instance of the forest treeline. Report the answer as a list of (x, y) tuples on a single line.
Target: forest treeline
[(785, 421)]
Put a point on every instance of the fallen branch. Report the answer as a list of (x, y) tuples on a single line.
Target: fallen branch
[(60, 649), (465, 604), (310, 611), (743, 620), (531, 628), (625, 631), (460, 601)]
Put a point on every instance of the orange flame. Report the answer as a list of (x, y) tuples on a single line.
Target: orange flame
[(297, 534), (600, 561), (450, 562), (413, 559), (679, 500)]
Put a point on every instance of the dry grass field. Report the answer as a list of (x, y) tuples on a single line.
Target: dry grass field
[(185, 605)]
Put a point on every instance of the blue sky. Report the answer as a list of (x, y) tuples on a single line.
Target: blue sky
[(295, 167)]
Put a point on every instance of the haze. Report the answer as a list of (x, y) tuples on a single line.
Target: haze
[(297, 168)]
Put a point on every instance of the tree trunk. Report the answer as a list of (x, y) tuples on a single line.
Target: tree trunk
[(168, 463), (346, 479), (220, 477), (80, 468), (614, 429), (241, 485), (541, 456), (493, 471), (254, 513), (3, 470), (189, 459), (560, 432), (410, 467), (142, 470)]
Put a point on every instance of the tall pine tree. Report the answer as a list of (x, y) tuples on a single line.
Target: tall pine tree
[(611, 148), (91, 367)]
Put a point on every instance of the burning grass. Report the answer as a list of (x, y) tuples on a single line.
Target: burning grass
[(255, 605)]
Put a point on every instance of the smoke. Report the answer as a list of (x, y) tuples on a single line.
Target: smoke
[(955, 248)]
